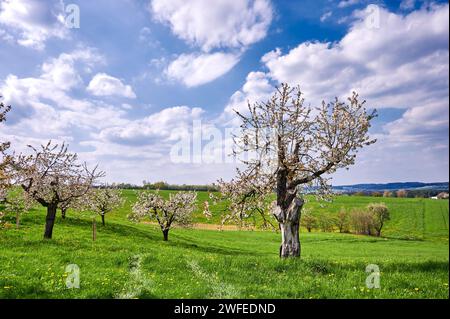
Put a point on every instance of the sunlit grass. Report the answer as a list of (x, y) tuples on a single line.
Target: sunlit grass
[(244, 263)]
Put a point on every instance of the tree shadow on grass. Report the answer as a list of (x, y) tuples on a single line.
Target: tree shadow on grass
[(185, 243), (133, 232)]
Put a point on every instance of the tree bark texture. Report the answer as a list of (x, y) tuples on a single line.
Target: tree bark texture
[(166, 234), (289, 220), (50, 221)]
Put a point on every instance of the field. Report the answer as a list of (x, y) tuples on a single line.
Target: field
[(132, 261)]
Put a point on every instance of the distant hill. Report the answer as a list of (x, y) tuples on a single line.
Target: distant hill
[(392, 187)]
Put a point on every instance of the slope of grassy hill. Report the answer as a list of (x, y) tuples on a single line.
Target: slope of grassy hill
[(411, 218), (131, 261)]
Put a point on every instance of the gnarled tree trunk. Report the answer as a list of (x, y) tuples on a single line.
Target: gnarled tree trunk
[(103, 219), (50, 220), (289, 220), (63, 213)]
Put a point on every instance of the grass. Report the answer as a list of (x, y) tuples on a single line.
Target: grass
[(413, 259)]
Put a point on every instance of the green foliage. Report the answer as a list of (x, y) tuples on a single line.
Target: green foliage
[(380, 215), (326, 223), (308, 220), (342, 221)]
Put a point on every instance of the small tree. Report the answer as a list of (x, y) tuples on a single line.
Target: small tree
[(362, 222), (380, 214), (178, 209), (376, 194), (17, 204), (52, 177), (387, 194), (326, 223), (309, 221), (402, 193), (343, 221), (292, 147), (442, 195), (103, 201)]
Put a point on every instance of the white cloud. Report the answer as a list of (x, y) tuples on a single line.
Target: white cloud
[(105, 85), (325, 16), (144, 34), (257, 87), (219, 25), (197, 69), (45, 101), (403, 63), (347, 3), (215, 24), (44, 108), (33, 22), (407, 4), (156, 129), (61, 71)]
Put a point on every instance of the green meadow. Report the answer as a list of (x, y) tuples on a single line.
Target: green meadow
[(130, 260)]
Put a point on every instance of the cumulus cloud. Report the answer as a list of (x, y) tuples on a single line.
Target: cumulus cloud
[(221, 25), (407, 4), (347, 3), (257, 87), (105, 85), (166, 125), (44, 108), (46, 101), (401, 63), (33, 22), (215, 24), (197, 69)]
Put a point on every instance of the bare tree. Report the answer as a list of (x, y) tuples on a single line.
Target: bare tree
[(178, 209), (380, 214), (103, 201), (291, 147), (52, 177)]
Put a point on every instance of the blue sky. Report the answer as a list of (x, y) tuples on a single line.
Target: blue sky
[(126, 86)]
